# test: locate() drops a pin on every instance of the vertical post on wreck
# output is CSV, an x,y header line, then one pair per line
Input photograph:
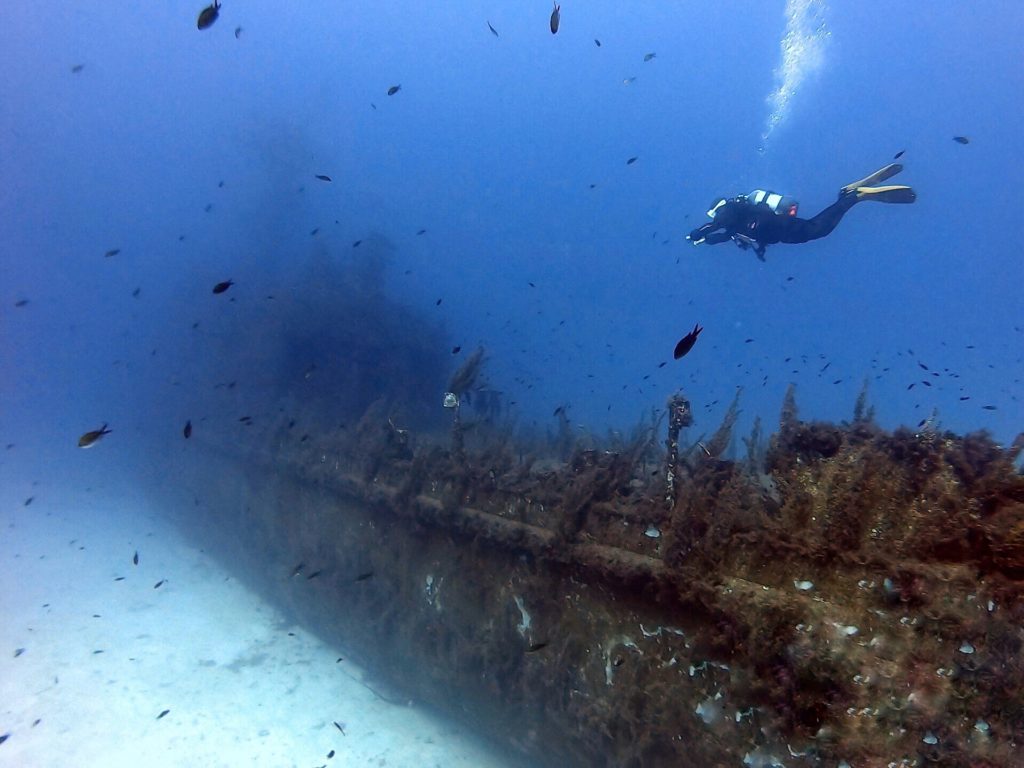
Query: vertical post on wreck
x,y
451,400
679,416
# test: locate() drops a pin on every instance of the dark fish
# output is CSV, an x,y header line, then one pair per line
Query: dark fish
x,y
208,15
314,231
112,252
238,32
21,303
597,42
135,559
493,30
159,583
899,154
209,207
364,576
322,177
77,68
119,578
297,569
245,419
29,500
330,754
18,652
456,350
136,292
650,56
313,575
747,341
6,736
356,243
556,17
223,286
89,439
961,140
988,407
686,343
187,431
536,647
340,727
438,304
163,714
394,89
422,232
631,161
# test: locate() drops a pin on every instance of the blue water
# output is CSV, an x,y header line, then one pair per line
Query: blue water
x,y
491,145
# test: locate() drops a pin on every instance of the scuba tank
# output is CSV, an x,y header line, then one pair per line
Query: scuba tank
x,y
784,205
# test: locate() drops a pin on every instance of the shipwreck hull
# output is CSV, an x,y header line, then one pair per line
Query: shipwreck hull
x,y
858,601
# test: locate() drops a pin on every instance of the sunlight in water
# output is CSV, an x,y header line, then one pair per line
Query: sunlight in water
x,y
803,52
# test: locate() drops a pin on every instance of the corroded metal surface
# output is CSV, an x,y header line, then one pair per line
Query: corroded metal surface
x,y
847,594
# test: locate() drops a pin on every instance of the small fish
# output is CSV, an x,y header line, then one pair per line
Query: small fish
x,y
208,15
422,232
112,252
29,500
629,80
21,303
966,397
77,68
597,42
314,231
238,32
456,350
159,583
187,431
631,160
534,647
438,303
163,714
686,343
136,292
364,576
493,30
330,754
650,56
223,286
245,419
961,140
313,575
394,89
89,439
988,407
119,578
322,177
340,727
556,17
356,243
135,558
4,737
899,154
18,652
297,569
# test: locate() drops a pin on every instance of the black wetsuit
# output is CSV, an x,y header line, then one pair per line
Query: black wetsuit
x,y
756,224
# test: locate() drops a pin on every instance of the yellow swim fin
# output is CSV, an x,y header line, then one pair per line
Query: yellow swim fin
x,y
893,194
882,174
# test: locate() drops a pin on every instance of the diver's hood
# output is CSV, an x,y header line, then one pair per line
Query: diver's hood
x,y
717,203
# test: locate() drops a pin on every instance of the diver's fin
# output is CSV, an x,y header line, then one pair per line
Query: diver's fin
x,y
882,174
893,194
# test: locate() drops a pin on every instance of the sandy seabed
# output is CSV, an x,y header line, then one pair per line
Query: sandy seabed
x,y
88,663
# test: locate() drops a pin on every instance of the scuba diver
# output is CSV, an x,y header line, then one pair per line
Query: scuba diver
x,y
763,218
